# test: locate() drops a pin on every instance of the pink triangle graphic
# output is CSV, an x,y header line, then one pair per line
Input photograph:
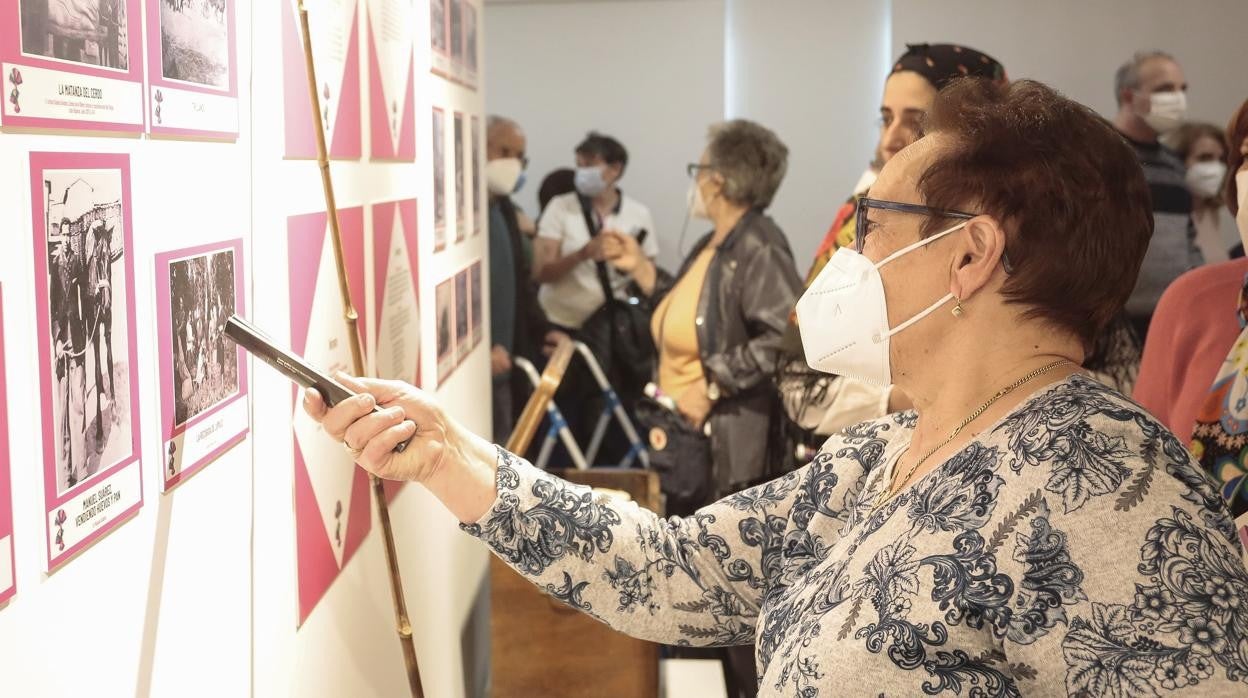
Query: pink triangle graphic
x,y
300,138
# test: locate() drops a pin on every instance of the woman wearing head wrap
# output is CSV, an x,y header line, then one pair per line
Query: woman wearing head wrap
x,y
818,404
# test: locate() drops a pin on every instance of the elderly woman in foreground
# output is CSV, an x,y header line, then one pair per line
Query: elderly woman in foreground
x,y
1027,531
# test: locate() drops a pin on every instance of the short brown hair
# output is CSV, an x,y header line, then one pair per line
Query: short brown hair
x,y
1065,186
1236,132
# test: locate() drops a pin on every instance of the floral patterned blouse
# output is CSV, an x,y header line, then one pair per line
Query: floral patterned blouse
x,y
1074,548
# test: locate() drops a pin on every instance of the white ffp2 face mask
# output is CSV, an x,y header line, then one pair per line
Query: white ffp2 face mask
x,y
502,175
1166,111
1204,179
843,316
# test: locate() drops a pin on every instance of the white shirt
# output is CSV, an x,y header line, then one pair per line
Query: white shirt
x,y
570,301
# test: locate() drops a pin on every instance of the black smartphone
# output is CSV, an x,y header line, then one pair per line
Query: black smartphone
x,y
290,365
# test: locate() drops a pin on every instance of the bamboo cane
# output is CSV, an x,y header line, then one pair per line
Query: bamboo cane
x,y
404,626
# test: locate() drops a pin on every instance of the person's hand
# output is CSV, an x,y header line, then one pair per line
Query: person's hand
x,y
695,404
602,247
551,342
407,413
500,361
629,255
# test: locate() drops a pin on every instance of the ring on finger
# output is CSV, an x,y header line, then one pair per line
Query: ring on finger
x,y
355,452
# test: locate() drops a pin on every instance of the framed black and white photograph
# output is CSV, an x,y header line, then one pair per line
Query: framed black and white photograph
x,y
439,179
203,373
461,202
84,275
94,32
463,341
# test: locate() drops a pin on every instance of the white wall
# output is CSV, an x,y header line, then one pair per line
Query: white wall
x,y
649,72
1076,46
197,596
813,72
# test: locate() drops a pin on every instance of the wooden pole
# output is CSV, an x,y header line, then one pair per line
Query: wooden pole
x,y
403,625
535,408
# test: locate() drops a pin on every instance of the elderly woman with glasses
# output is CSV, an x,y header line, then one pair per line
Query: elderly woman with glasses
x,y
1025,531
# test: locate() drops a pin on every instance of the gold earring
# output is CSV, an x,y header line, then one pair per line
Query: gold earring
x,y
957,308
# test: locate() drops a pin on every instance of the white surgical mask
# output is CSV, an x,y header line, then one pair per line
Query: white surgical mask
x,y
843,316
589,181
1165,111
1204,179
502,175
1241,216
697,205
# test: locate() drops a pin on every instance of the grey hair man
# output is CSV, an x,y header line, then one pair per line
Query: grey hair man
x,y
1151,91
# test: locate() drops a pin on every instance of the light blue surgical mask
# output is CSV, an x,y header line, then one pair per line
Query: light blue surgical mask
x,y
589,181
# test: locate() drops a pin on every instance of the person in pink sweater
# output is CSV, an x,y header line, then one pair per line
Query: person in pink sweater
x,y
1194,373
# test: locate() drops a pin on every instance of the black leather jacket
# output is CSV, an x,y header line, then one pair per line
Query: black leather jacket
x,y
750,289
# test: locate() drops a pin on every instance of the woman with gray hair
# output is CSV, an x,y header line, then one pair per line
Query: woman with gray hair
x,y
718,324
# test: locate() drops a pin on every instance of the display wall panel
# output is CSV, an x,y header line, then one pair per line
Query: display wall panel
x,y
214,561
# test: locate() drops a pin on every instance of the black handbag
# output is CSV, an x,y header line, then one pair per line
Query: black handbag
x,y
680,454
618,333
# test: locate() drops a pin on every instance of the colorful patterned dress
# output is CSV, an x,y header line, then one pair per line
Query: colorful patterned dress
x,y
1220,439
1073,548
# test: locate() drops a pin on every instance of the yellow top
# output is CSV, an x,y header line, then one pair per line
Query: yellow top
x,y
676,335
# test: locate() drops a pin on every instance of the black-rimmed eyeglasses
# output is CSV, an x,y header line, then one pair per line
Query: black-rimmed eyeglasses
x,y
862,227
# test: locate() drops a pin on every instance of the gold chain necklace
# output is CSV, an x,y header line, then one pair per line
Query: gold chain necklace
x,y
888,493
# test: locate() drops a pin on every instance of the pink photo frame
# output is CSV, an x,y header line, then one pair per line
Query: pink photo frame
x,y
203,410
444,328
438,161
92,468
65,70
187,49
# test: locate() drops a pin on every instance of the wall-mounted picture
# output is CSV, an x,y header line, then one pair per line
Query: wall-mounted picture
x,y
463,340
203,374
478,166
439,45
192,68
71,64
8,578
461,203
391,27
456,35
84,294
470,45
474,290
336,56
332,514
396,291
444,306
439,179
